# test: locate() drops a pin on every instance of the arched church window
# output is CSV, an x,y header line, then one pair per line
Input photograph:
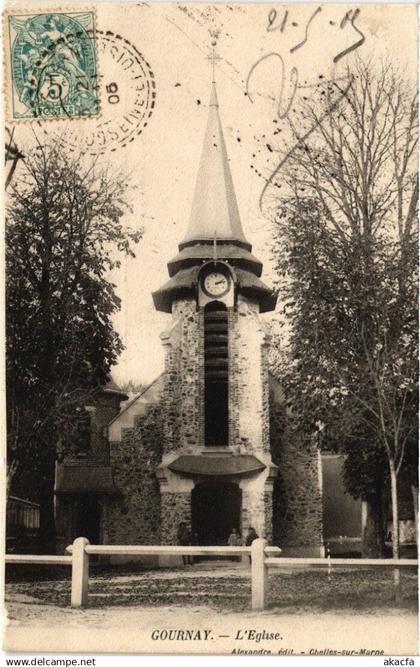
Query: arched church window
x,y
216,369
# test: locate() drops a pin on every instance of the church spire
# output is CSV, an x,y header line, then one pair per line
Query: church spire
x,y
214,210
214,231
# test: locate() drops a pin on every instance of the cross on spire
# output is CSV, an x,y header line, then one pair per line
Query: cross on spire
x,y
214,212
213,57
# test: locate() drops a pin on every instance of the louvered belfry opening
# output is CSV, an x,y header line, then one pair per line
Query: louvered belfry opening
x,y
216,375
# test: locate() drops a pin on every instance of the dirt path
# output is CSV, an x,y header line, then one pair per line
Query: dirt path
x,y
38,627
133,612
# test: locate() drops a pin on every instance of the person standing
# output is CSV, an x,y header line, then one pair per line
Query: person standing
x,y
234,540
195,541
250,536
184,539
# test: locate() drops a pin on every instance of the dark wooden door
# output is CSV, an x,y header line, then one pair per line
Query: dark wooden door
x,y
216,509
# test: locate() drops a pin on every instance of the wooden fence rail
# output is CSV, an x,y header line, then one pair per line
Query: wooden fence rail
x,y
40,560
259,552
158,550
340,562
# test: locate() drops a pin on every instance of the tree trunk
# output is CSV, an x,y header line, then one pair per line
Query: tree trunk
x,y
395,523
47,386
415,494
47,513
11,472
372,527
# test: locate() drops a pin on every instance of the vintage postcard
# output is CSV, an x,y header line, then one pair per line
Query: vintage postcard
x,y
211,251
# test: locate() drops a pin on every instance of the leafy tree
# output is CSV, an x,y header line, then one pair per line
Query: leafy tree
x,y
346,253
64,231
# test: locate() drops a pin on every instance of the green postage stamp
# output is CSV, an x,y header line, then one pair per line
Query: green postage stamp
x,y
52,65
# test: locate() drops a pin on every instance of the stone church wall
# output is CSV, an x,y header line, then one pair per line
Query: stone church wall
x,y
171,421
248,407
297,492
183,344
175,507
107,406
134,517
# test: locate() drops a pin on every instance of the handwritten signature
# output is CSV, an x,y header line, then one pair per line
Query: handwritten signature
x,y
349,18
288,85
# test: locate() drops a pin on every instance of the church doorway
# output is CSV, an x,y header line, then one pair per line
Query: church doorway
x,y
87,519
215,510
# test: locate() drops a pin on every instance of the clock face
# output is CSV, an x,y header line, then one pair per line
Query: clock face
x,y
216,284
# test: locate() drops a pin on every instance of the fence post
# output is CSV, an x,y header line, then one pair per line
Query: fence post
x,y
79,573
259,574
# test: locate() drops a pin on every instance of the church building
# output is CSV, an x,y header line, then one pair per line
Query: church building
x,y
207,442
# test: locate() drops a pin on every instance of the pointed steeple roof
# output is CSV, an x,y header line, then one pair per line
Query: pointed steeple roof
x,y
214,217
214,212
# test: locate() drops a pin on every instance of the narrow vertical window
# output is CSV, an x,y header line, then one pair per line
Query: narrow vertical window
x,y
216,368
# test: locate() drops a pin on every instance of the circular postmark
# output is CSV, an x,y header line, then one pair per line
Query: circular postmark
x,y
127,93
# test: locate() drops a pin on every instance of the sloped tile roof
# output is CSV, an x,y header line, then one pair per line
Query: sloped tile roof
x,y
85,479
